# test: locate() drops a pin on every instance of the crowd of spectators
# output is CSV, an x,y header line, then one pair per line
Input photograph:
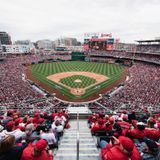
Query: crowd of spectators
x,y
17,93
139,92
13,88
142,89
100,59
124,54
148,48
124,135
31,137
23,132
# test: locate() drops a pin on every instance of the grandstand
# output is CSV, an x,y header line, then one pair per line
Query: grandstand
x,y
75,128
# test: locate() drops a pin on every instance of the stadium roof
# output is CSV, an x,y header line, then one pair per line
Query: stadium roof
x,y
148,41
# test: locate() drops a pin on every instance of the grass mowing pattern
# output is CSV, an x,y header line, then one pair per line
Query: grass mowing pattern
x,y
85,81
41,71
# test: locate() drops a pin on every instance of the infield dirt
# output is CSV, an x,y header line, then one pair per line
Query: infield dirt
x,y
77,91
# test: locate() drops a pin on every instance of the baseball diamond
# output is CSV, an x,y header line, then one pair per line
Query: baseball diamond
x,y
77,80
70,79
74,81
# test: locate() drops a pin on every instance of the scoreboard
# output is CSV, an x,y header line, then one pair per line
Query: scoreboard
x,y
98,41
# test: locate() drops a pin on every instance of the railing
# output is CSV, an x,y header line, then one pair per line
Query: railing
x,y
77,135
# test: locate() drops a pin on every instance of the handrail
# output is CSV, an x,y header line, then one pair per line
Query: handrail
x,y
77,135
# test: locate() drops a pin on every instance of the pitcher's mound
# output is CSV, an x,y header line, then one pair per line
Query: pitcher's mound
x,y
78,81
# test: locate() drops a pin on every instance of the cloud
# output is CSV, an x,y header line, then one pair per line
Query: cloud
x,y
40,19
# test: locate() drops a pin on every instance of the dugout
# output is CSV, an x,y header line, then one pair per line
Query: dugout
x,y
78,56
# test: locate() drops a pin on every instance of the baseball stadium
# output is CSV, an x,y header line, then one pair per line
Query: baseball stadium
x,y
99,102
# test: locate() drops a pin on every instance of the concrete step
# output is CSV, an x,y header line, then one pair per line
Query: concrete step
x,y
73,157
74,149
75,137
75,133
75,140
75,154
81,151
67,149
75,130
74,145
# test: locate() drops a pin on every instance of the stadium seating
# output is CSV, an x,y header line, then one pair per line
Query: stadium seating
x,y
136,102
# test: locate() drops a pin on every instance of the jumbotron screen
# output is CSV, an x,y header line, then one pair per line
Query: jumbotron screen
x,y
98,44
98,41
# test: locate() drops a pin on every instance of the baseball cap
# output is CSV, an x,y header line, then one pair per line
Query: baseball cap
x,y
141,124
125,118
41,145
10,125
127,143
124,112
45,113
111,120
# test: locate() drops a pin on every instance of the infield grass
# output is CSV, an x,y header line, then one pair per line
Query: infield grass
x,y
71,81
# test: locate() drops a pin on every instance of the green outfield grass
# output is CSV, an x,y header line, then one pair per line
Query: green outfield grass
x,y
41,71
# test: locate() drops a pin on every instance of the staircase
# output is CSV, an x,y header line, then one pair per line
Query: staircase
x,y
68,144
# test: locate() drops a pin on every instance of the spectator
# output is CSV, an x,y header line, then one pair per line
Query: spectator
x,y
10,130
149,150
121,149
138,133
29,136
49,136
39,151
8,150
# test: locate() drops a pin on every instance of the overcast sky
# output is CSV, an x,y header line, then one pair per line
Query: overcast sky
x,y
128,20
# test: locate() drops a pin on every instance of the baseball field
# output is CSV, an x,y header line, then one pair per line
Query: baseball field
x,y
75,79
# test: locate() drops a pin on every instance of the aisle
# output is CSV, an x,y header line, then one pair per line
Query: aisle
x,y
68,147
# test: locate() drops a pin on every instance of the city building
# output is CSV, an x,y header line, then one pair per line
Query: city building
x,y
45,44
15,49
25,44
5,38
63,42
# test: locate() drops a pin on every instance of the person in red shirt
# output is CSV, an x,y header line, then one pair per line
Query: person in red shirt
x,y
54,114
125,125
153,133
37,151
36,118
122,148
106,118
98,126
109,124
138,133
